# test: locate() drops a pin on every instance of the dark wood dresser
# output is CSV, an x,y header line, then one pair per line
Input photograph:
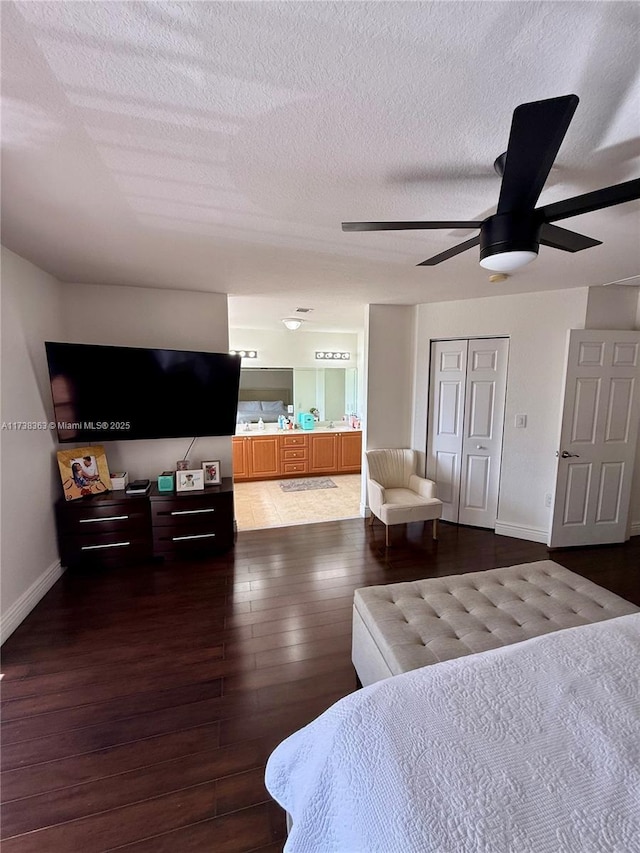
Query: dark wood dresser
x,y
115,529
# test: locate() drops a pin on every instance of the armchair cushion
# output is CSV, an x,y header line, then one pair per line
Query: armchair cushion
x,y
403,505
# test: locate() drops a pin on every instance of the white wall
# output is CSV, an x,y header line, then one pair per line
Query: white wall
x,y
537,325
30,477
292,349
150,317
612,307
390,335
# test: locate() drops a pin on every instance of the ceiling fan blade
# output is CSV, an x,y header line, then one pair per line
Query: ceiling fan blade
x,y
537,131
451,253
596,200
405,226
568,241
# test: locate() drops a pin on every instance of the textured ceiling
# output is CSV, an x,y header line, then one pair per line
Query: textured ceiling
x,y
218,146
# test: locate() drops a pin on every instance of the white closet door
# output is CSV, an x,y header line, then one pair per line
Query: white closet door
x,y
446,419
598,438
486,383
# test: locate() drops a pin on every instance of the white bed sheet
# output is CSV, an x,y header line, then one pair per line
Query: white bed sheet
x,y
530,748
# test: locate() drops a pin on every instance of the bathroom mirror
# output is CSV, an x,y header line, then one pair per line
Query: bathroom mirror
x,y
333,391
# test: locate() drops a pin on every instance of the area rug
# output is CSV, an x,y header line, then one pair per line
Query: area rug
x,y
307,484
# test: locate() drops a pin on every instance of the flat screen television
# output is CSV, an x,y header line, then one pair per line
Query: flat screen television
x,y
105,393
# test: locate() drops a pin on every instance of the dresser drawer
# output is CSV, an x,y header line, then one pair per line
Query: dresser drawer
x,y
129,515
294,440
105,548
170,542
194,513
293,454
301,467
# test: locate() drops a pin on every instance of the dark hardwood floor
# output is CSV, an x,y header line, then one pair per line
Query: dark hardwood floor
x,y
140,705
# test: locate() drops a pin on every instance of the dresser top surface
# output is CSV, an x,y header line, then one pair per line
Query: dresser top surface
x,y
225,486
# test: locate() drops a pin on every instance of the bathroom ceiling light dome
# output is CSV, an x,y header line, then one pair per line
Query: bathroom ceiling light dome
x,y
292,323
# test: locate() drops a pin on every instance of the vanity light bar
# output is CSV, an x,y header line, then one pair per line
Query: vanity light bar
x,y
244,353
324,355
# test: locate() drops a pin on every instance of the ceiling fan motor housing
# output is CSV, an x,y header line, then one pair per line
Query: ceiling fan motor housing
x,y
510,232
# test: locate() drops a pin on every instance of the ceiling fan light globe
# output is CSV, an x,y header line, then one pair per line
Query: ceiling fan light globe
x,y
507,261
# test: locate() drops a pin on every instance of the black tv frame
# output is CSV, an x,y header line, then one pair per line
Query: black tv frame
x,y
113,393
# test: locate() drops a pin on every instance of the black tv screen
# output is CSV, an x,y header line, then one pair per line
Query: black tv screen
x,y
104,393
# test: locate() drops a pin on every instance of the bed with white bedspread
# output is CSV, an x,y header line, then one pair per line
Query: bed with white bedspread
x,y
530,748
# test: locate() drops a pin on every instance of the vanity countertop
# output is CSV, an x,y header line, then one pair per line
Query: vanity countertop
x,y
272,429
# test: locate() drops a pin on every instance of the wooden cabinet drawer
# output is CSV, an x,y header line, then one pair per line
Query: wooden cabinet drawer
x,y
301,467
294,440
288,455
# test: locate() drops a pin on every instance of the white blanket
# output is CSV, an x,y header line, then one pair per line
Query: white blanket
x,y
531,748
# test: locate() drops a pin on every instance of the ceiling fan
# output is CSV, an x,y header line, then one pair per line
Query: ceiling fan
x,y
510,238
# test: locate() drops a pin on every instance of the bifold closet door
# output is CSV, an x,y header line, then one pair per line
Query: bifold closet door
x,y
466,418
446,421
486,383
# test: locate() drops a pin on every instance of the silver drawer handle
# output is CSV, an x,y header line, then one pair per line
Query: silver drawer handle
x,y
191,511
195,536
98,547
106,518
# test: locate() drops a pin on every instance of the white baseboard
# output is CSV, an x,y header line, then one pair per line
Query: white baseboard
x,y
21,608
635,528
519,531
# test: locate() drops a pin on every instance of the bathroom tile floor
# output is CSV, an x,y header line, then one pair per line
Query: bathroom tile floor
x,y
265,504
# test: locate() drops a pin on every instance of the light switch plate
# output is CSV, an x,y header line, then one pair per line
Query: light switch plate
x,y
521,421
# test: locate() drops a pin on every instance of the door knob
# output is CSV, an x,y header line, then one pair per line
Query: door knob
x,y
480,447
566,455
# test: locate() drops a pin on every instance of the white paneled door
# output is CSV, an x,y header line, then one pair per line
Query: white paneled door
x,y
466,417
446,421
597,439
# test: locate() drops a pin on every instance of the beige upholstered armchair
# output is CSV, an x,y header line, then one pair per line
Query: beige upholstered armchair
x,y
396,493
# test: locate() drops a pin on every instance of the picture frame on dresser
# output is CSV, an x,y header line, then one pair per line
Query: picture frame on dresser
x,y
84,472
191,480
212,476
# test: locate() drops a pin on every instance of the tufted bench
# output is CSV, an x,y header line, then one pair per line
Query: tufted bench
x,y
404,626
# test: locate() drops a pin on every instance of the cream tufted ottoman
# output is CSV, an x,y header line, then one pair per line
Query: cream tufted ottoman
x,y
404,626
